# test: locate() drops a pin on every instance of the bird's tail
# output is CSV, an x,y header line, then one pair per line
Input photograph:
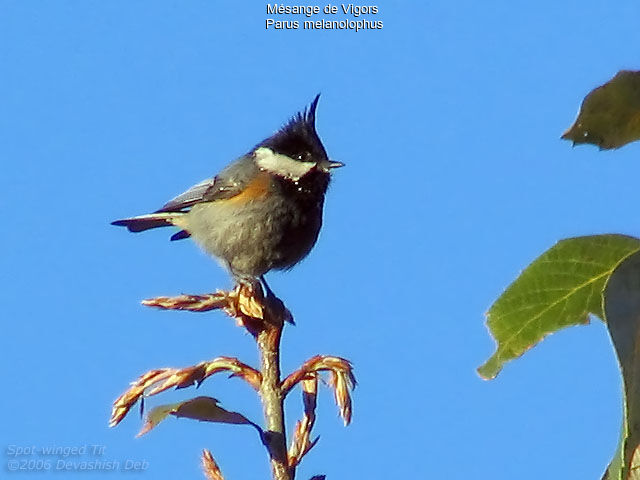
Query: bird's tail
x,y
152,220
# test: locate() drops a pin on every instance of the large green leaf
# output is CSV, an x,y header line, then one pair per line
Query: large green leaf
x,y
610,115
559,289
622,311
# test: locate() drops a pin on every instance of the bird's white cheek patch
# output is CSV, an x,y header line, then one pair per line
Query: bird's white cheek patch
x,y
281,164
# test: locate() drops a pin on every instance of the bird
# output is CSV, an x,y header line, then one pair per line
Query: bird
x,y
263,211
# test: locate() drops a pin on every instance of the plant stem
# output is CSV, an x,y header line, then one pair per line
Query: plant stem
x,y
268,340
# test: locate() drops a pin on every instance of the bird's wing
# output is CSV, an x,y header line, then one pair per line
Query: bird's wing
x,y
189,198
229,183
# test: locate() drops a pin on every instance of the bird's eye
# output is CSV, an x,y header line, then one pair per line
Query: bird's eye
x,y
299,157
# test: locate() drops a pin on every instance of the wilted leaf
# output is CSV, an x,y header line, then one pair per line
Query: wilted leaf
x,y
559,289
341,379
210,467
341,386
247,305
301,442
191,303
159,380
204,409
622,310
610,115
320,363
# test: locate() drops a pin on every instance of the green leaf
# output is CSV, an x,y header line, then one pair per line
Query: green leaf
x,y
610,114
622,311
205,409
156,415
559,289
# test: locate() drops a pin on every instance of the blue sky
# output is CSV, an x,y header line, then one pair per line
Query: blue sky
x,y
449,121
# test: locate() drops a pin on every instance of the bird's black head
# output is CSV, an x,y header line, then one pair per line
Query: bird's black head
x,y
296,148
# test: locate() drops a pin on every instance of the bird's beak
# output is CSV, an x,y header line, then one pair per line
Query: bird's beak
x,y
327,165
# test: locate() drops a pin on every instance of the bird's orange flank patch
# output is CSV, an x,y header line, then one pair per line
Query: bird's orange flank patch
x,y
256,189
